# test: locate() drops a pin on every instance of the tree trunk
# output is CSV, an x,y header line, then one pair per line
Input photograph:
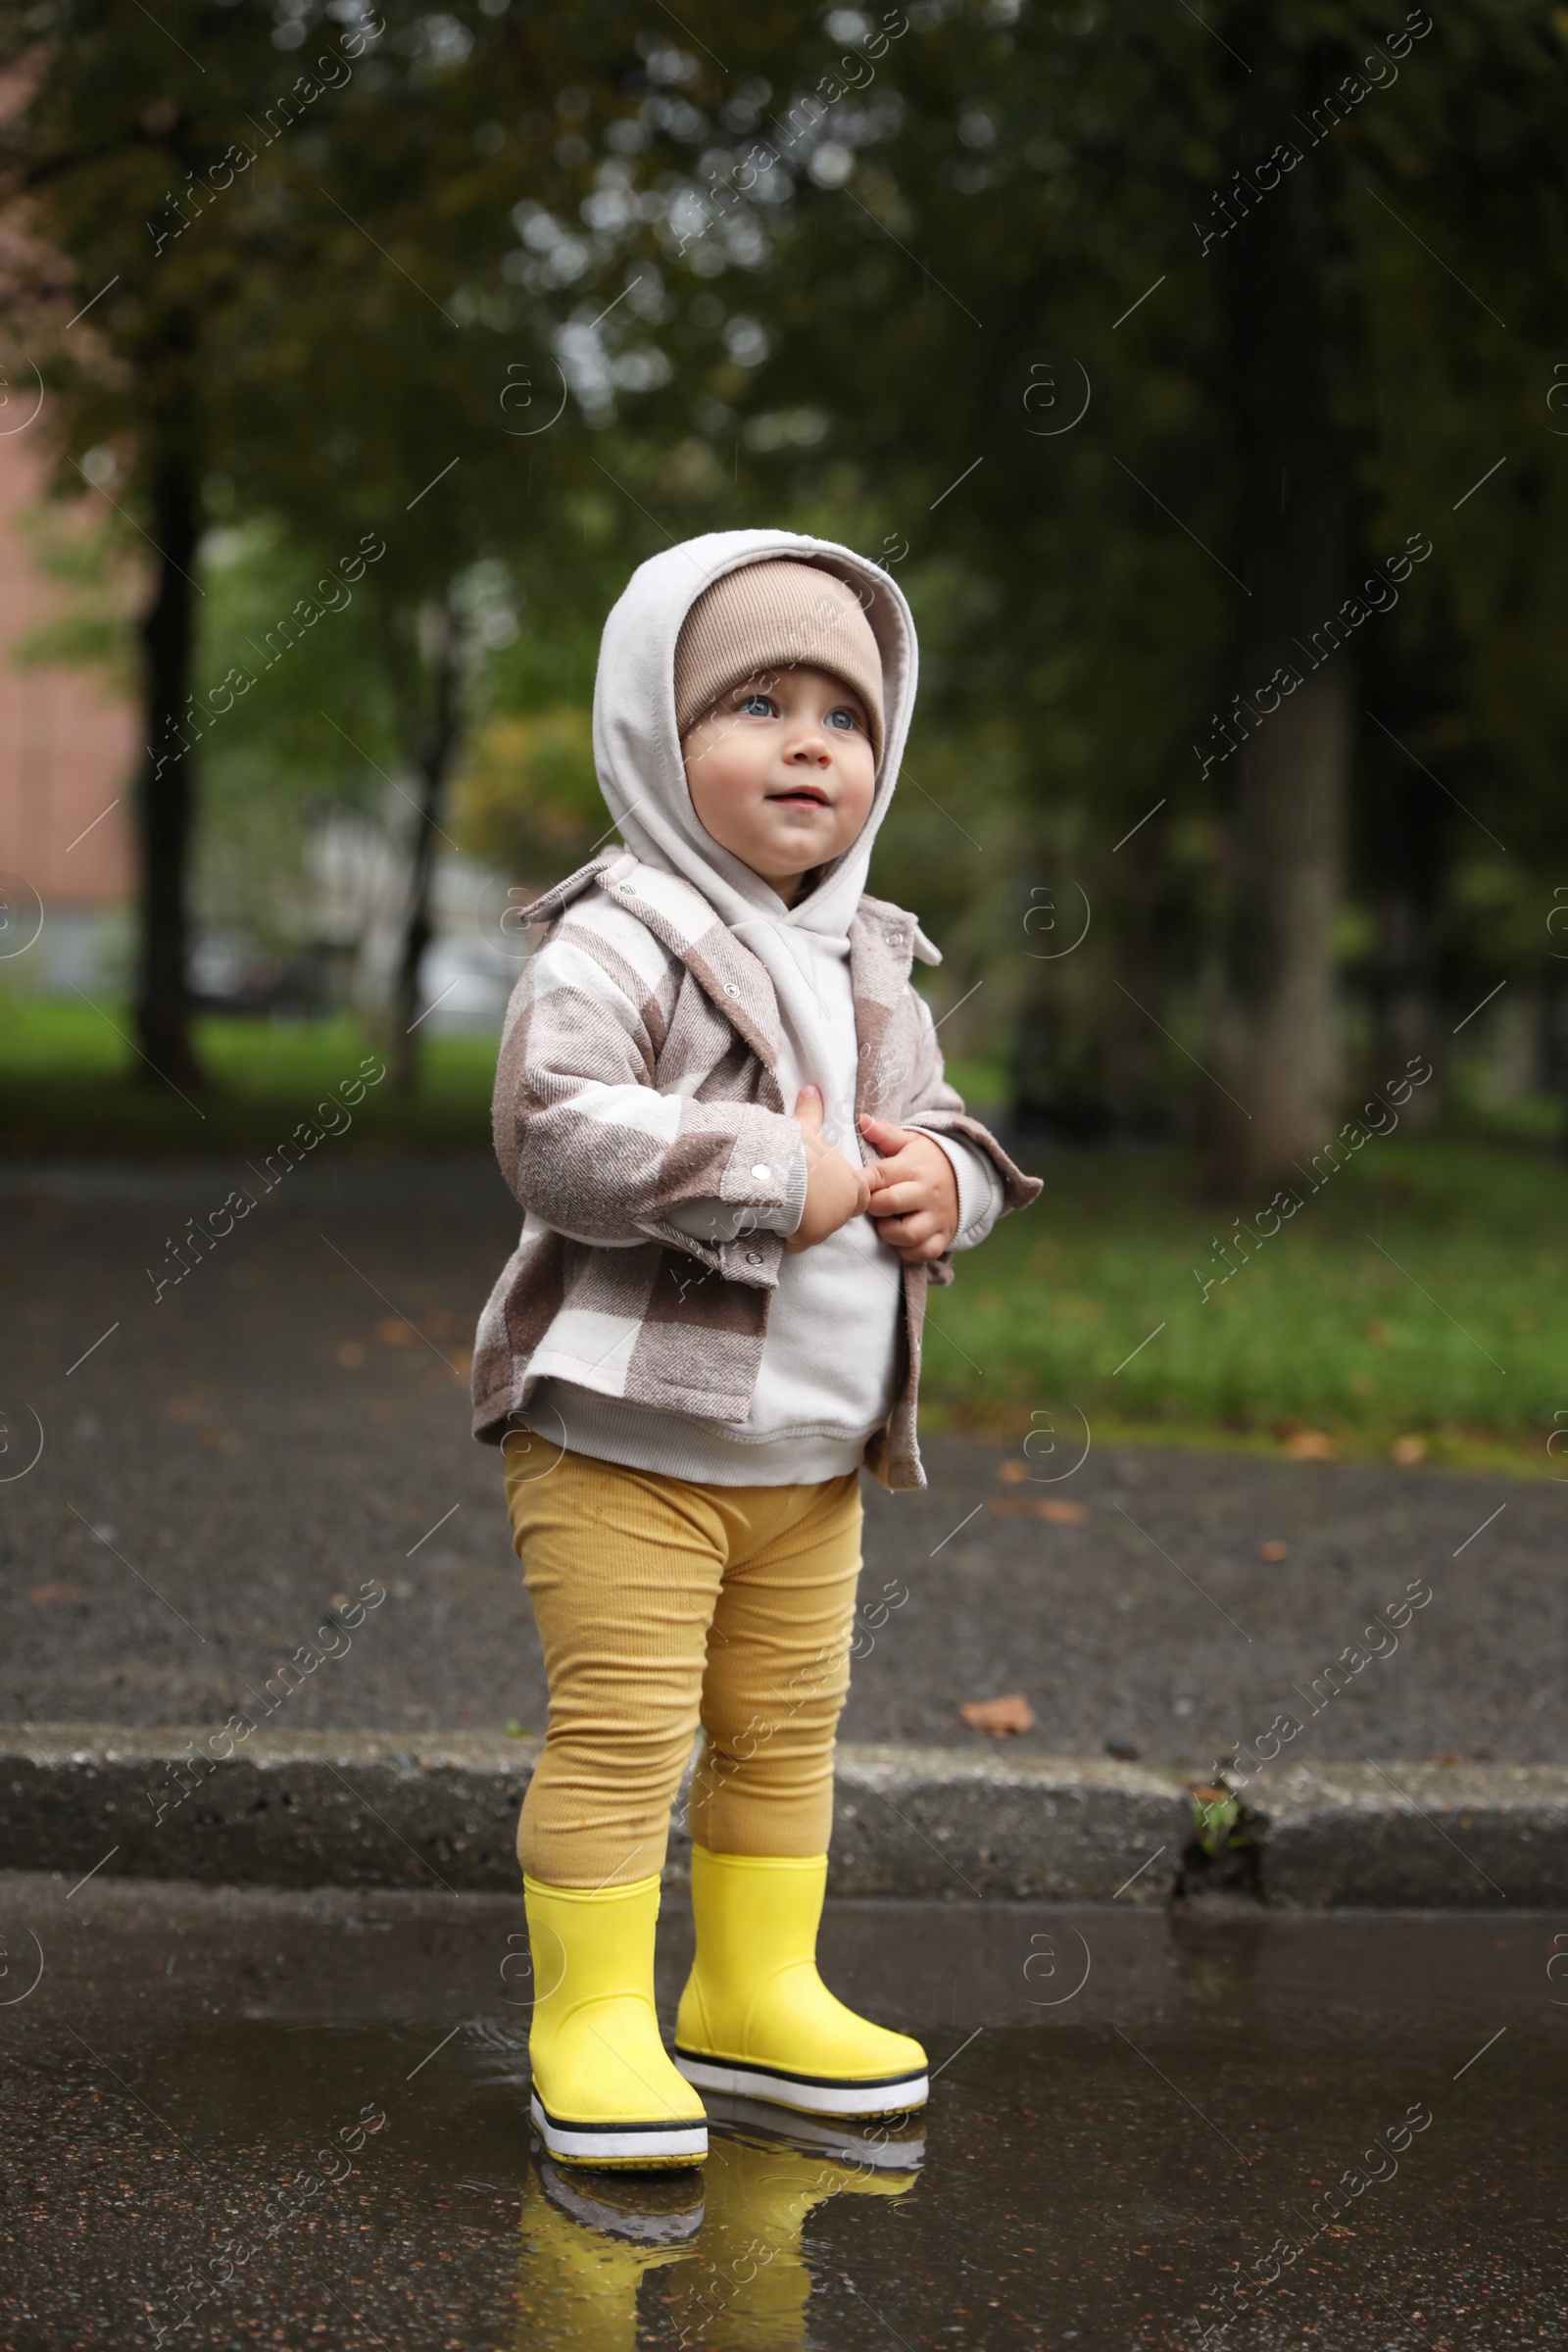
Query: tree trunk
x,y
1555,1041
167,793
1407,829
436,755
1278,1038
1276,1044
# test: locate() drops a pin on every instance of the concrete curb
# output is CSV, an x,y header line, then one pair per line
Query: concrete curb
x,y
382,1809
1437,1836
946,1822
387,1809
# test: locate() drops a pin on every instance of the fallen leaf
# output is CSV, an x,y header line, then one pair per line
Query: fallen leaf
x,y
393,1332
1000,1717
1012,1474
1408,1449
1309,1445
45,1597
1273,1549
1377,1331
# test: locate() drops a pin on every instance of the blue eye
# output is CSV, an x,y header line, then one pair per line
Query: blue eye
x,y
841,719
757,705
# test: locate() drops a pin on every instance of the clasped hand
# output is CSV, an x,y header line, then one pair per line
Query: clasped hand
x,y
909,1189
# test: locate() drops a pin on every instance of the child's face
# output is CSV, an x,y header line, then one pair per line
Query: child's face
x,y
781,772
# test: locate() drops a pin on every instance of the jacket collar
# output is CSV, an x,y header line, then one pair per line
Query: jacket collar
x,y
884,940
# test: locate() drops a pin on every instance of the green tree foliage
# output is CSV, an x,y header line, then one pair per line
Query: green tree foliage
x,y
434,402
1137,343
527,802
288,234
1271,245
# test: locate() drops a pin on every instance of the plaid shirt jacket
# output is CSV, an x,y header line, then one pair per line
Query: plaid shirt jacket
x,y
637,1075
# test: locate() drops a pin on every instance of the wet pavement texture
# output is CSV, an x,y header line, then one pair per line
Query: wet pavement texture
x,y
241,2117
227,1460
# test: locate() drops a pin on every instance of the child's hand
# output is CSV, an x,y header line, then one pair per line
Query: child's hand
x,y
913,1192
835,1191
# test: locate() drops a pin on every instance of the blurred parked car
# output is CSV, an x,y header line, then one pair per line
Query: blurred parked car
x,y
231,973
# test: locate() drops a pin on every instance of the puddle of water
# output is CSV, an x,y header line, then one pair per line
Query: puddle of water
x,y
237,2118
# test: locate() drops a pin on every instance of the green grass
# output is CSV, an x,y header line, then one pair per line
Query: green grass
x,y
70,1084
1318,1330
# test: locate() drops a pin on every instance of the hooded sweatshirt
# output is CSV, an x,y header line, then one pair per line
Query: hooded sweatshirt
x,y
829,1358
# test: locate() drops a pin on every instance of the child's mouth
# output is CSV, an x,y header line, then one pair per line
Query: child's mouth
x,y
802,796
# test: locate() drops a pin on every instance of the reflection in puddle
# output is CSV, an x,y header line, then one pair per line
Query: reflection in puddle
x,y
728,2240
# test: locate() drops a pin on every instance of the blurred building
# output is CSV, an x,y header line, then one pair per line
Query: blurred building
x,y
68,756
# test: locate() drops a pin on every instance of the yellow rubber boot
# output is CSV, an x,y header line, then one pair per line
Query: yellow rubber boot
x,y
756,2020
747,2286
604,2089
587,2245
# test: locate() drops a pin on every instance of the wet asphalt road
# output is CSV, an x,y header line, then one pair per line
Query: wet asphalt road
x,y
1126,2108
292,1420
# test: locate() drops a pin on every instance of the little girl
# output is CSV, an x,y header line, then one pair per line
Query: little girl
x,y
721,1104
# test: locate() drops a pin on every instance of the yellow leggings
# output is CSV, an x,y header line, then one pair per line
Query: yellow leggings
x,y
662,1603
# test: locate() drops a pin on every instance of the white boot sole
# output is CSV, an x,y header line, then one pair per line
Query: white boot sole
x,y
651,2145
808,2095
